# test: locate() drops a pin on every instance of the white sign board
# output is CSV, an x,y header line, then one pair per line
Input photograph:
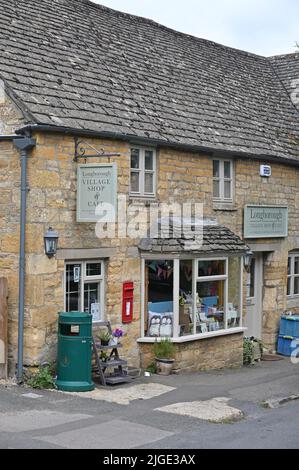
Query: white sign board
x,y
96,187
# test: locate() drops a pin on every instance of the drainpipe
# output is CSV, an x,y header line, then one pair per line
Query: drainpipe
x,y
23,145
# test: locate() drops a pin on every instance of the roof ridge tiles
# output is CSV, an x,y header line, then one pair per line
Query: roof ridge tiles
x,y
145,20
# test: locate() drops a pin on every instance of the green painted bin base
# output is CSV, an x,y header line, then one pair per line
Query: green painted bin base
x,y
65,386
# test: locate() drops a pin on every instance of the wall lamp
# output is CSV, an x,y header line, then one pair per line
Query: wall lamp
x,y
247,260
51,242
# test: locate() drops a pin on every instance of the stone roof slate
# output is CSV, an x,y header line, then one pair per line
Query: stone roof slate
x,y
215,239
287,68
73,63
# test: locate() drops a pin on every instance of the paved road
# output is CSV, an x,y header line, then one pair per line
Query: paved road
x,y
58,420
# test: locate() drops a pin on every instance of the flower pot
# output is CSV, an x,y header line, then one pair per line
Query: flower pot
x,y
164,366
113,342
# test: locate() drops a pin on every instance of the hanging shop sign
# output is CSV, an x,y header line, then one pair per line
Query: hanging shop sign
x,y
96,189
265,221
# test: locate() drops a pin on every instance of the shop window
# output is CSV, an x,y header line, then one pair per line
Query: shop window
x,y
223,180
192,297
159,298
186,313
234,292
210,305
143,172
84,285
293,275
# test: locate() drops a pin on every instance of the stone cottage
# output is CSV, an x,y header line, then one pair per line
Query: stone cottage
x,y
100,107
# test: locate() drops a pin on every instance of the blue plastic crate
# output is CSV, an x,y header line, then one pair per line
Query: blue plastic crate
x,y
285,346
289,326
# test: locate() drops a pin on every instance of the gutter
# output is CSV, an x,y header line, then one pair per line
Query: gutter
x,y
23,145
27,130
9,138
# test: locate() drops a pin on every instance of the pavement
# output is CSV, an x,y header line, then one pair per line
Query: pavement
x,y
242,408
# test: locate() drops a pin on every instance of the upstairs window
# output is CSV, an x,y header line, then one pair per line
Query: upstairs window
x,y
223,180
143,172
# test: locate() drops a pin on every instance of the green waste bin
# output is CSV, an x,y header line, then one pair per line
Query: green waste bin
x,y
74,354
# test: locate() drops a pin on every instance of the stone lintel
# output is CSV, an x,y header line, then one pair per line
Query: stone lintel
x,y
85,253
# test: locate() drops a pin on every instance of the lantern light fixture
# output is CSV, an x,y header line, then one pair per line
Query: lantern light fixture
x,y
51,242
247,260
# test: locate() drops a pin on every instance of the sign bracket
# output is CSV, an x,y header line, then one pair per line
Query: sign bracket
x,y
80,151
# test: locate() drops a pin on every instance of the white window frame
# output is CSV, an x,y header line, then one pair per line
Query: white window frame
x,y
292,275
176,283
142,172
222,180
84,279
221,277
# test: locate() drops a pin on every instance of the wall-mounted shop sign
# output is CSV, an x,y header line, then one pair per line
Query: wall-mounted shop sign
x,y
96,186
265,221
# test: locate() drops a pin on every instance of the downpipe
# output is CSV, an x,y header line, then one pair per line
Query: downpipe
x,y
24,146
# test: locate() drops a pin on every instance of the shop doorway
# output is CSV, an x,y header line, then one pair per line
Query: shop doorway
x,y
254,301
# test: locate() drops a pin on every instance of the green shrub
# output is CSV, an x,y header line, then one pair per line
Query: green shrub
x,y
164,349
43,378
152,368
247,351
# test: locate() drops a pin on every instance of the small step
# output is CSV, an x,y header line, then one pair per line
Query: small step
x,y
113,363
133,372
118,379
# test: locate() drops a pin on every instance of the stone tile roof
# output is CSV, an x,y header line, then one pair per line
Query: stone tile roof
x,y
73,63
287,69
215,239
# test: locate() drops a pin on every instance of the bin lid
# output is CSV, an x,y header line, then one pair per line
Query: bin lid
x,y
75,317
291,317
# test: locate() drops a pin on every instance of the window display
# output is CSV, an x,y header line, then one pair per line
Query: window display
x,y
186,317
159,298
208,296
234,302
210,306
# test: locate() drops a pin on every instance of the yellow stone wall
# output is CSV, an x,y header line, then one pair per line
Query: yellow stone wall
x,y
213,353
182,177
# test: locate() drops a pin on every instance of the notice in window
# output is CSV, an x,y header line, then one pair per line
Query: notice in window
x,y
95,312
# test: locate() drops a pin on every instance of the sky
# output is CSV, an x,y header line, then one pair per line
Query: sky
x,y
265,27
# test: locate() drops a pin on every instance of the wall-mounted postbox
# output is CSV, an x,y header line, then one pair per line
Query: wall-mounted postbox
x,y
128,301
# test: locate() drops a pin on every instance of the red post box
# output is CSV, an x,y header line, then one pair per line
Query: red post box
x,y
128,300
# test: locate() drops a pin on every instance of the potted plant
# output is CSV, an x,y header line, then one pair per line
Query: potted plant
x,y
164,351
116,335
253,350
258,349
104,336
104,357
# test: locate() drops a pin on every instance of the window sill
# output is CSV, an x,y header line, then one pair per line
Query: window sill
x,y
185,339
293,302
224,206
143,199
